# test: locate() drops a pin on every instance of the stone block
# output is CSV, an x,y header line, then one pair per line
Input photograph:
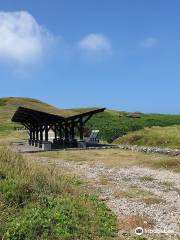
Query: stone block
x,y
81,144
46,146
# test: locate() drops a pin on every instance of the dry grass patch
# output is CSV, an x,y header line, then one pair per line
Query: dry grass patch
x,y
177,190
14,136
126,179
168,185
132,192
135,192
104,180
120,194
138,194
153,200
117,158
133,221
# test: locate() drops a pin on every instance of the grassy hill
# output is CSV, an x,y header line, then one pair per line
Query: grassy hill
x,y
155,136
9,105
112,124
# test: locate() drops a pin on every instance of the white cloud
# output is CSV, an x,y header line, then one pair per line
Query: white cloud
x,y
149,42
95,43
21,38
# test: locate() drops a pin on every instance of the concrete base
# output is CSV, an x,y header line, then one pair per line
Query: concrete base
x,y
40,144
36,144
94,140
46,146
74,143
81,144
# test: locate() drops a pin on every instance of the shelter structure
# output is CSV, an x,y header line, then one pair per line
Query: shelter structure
x,y
65,129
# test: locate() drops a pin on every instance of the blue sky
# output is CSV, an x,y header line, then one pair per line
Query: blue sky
x,y
119,54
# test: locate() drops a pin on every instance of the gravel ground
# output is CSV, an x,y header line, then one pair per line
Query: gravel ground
x,y
151,197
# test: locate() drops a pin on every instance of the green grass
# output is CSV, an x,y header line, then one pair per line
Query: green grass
x,y
40,203
155,136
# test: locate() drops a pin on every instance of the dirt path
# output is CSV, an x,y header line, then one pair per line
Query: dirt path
x,y
138,196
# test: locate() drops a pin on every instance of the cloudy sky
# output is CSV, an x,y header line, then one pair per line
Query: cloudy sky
x,y
120,54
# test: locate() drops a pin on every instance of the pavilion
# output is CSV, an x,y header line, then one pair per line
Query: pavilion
x,y
65,128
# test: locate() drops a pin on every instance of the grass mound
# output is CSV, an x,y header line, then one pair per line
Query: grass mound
x,y
39,203
155,136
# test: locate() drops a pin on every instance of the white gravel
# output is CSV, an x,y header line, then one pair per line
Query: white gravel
x,y
163,184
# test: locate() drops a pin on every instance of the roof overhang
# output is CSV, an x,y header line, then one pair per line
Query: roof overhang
x,y
35,117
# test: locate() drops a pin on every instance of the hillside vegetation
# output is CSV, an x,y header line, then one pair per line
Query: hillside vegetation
x,y
37,202
154,136
112,124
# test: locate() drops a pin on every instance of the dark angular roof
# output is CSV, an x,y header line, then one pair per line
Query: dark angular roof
x,y
27,115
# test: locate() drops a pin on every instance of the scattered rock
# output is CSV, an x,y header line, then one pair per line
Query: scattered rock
x,y
135,148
